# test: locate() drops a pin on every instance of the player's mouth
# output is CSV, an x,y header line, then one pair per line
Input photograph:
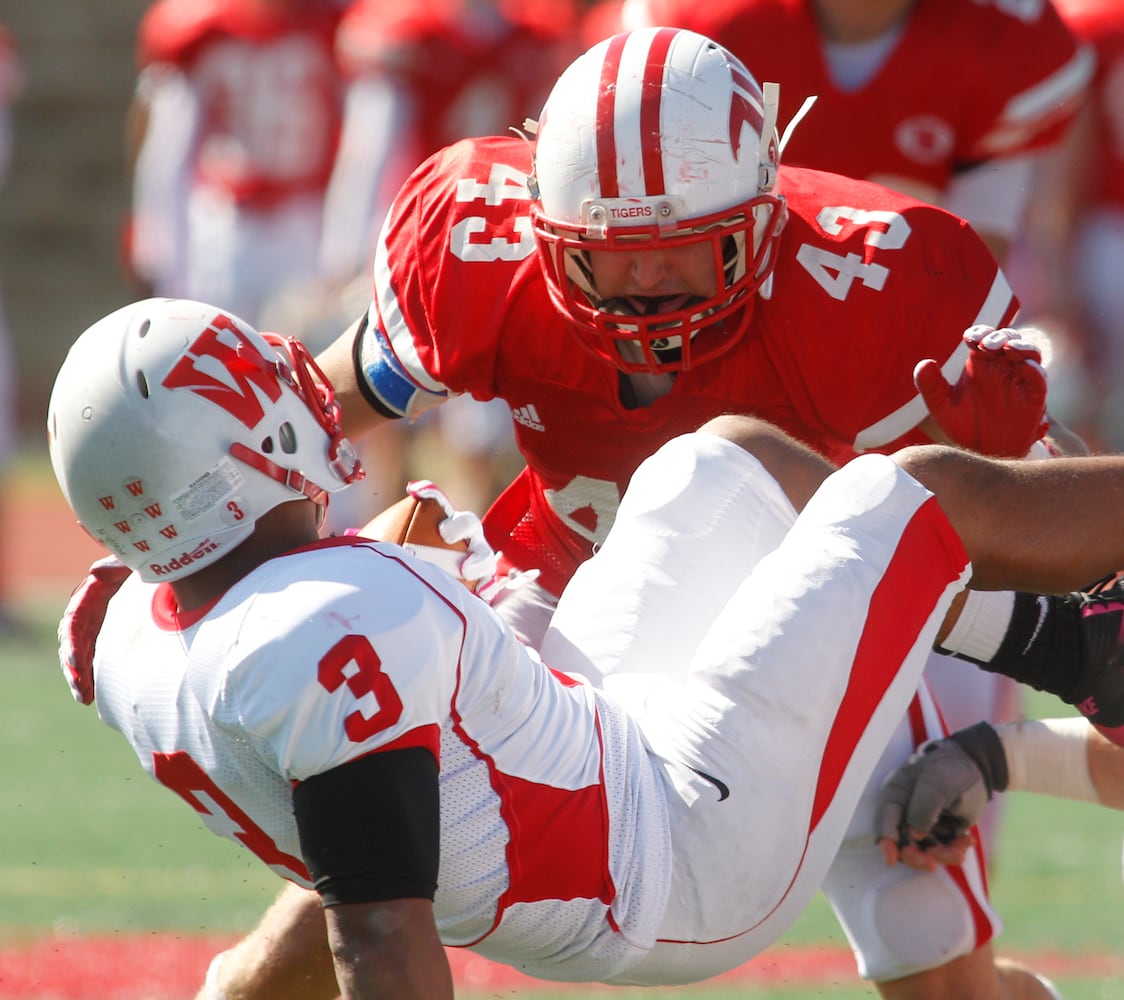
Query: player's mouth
x,y
648,305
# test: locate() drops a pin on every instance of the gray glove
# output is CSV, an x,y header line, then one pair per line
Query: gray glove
x,y
943,788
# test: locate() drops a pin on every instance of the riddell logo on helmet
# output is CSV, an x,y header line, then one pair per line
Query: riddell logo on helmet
x,y
184,558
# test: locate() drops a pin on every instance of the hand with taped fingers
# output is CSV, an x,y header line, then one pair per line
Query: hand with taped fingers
x,y
81,622
928,806
479,564
998,404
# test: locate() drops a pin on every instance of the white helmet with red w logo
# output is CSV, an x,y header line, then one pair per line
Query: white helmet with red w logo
x,y
173,426
657,138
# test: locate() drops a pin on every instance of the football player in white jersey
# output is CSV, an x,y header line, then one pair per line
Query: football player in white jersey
x,y
369,728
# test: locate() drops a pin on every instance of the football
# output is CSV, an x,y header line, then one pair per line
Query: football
x,y
412,523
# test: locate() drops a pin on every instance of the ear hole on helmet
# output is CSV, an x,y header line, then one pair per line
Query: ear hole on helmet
x,y
288,438
144,328
267,446
142,385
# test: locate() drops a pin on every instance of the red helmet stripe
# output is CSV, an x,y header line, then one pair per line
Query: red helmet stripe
x,y
606,109
651,95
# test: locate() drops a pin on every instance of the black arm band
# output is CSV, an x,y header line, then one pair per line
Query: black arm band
x,y
370,829
365,390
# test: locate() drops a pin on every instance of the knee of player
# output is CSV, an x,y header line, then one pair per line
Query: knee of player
x,y
885,930
932,465
797,468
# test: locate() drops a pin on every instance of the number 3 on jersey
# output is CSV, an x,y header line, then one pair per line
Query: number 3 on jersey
x,y
353,661
504,184
835,273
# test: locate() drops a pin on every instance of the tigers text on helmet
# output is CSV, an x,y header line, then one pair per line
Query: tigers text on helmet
x,y
173,426
657,139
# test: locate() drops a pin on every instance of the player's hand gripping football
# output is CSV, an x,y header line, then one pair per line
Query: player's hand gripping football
x,y
998,405
81,622
479,563
927,807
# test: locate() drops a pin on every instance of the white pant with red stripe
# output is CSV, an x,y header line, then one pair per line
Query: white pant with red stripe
x,y
770,662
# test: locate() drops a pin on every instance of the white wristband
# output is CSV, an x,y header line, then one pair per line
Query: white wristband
x,y
211,989
1048,756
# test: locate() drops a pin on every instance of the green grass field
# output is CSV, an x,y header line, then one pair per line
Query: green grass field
x,y
91,846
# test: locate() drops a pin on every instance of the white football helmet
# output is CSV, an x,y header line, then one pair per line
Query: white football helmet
x,y
657,138
173,426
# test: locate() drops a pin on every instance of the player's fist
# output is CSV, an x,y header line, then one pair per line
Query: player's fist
x,y
426,523
934,799
998,405
479,565
81,622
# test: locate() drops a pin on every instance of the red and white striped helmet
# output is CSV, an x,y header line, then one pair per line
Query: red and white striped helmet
x,y
173,426
657,136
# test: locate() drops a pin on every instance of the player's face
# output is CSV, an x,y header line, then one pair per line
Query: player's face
x,y
671,276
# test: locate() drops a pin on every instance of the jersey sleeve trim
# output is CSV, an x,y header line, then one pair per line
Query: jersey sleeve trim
x,y
998,311
1036,110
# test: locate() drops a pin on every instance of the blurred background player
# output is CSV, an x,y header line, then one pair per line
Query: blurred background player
x,y
233,137
11,80
952,101
421,76
1071,258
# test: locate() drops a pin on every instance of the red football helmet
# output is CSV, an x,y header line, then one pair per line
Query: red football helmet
x,y
657,138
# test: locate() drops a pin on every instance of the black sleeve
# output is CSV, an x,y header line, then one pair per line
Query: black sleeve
x,y
370,828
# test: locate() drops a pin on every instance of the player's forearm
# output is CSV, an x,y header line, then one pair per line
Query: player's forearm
x,y
1106,768
1065,758
285,957
337,362
389,951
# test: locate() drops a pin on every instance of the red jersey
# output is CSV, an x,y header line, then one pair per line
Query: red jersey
x,y
966,82
267,84
1101,24
868,282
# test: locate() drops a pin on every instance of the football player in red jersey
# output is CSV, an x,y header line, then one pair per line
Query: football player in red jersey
x,y
644,264
233,135
952,101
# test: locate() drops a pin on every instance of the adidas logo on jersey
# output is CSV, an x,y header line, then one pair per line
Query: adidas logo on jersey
x,y
528,416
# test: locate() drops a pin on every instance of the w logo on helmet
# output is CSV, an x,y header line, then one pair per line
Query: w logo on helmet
x,y
243,364
746,108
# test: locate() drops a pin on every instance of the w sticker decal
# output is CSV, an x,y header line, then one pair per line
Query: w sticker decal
x,y
224,367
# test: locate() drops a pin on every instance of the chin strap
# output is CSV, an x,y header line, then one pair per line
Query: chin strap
x,y
294,480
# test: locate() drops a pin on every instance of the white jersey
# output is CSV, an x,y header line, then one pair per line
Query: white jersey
x,y
663,824
313,660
